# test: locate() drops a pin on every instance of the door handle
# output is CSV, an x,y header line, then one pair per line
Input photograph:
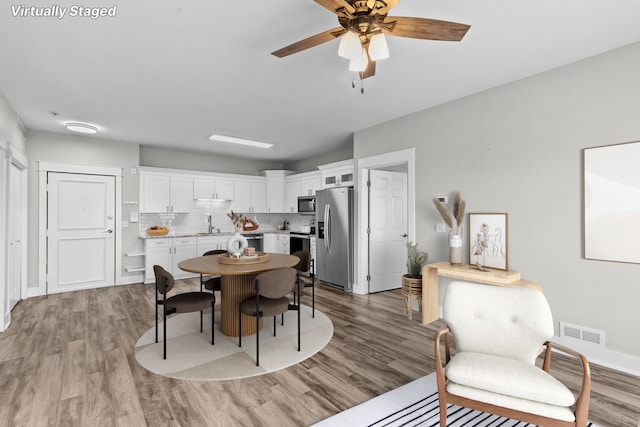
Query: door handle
x,y
109,231
405,235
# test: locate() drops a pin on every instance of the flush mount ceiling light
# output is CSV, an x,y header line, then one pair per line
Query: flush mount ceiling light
x,y
81,128
363,27
241,141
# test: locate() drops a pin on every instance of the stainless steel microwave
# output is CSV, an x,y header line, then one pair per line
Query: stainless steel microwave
x,y
307,204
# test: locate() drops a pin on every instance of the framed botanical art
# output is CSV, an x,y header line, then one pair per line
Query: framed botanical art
x,y
488,240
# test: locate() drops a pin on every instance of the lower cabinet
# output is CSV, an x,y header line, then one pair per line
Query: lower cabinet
x,y
282,244
276,243
168,252
269,242
209,243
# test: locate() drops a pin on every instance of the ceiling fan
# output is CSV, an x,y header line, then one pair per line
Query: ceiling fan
x,y
363,25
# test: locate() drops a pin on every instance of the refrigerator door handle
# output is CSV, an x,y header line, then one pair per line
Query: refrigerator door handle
x,y
330,226
327,230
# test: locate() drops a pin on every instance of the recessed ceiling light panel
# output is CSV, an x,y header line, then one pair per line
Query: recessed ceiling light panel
x,y
241,141
81,128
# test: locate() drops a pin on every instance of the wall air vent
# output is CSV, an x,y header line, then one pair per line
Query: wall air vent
x,y
582,333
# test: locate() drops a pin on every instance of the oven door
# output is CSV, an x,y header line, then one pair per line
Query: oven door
x,y
299,243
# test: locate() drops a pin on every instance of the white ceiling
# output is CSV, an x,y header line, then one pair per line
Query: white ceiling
x,y
171,73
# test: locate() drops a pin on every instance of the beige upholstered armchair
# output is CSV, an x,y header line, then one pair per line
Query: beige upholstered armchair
x,y
499,332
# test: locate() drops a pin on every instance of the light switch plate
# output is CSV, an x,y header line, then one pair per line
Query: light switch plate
x,y
440,227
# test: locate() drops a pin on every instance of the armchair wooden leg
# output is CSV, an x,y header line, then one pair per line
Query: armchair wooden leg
x,y
213,317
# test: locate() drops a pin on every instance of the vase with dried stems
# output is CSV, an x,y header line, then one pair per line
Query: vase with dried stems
x,y
454,221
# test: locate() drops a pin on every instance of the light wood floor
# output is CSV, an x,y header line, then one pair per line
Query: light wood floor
x,y
67,360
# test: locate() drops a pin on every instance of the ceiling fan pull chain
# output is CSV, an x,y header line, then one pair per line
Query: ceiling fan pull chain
x,y
353,81
362,86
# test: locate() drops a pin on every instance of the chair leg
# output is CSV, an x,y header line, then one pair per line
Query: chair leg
x,y
298,325
313,300
201,317
258,340
239,327
156,322
213,321
274,325
164,333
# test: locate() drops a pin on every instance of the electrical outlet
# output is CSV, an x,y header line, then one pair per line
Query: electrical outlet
x,y
442,199
440,227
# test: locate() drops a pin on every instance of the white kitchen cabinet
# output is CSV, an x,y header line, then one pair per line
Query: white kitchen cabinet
x,y
291,194
304,184
276,190
250,197
165,194
208,188
269,243
282,244
338,174
210,243
312,247
168,252
183,248
311,183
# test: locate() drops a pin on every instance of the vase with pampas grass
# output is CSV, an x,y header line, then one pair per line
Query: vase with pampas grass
x,y
454,221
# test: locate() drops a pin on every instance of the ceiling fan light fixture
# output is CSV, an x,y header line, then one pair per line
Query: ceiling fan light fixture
x,y
378,48
350,46
81,128
360,62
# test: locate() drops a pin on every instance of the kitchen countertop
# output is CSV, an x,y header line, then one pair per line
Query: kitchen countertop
x,y
222,233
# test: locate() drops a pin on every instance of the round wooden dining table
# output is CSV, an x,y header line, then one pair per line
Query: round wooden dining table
x,y
237,283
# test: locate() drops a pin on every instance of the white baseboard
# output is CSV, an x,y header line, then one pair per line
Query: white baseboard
x,y
131,280
602,356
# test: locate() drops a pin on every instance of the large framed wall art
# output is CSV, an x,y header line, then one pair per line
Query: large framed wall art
x,y
612,202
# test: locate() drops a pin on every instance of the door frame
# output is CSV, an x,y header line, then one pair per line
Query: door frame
x,y
43,169
21,162
363,165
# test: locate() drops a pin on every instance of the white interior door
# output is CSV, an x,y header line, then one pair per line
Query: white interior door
x,y
80,231
15,218
388,229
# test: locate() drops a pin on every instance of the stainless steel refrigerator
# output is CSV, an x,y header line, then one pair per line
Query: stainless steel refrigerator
x,y
334,237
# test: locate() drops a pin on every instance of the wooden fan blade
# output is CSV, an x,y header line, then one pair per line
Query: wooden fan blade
x,y
309,42
334,5
389,4
370,71
423,28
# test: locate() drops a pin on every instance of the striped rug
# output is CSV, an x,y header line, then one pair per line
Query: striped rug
x,y
415,404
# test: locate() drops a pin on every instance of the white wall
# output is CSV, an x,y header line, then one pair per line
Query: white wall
x,y
82,150
518,149
176,159
10,125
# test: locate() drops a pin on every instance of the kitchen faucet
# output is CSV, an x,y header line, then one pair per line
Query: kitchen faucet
x,y
211,228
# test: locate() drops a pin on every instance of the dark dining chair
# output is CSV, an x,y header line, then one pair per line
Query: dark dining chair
x,y
212,283
306,265
181,303
272,288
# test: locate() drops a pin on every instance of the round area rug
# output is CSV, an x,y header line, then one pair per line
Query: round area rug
x,y
190,355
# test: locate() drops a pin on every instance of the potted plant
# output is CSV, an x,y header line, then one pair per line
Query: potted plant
x,y
454,221
412,281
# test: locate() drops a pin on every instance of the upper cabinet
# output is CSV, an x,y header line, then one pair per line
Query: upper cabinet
x,y
338,174
250,196
276,189
302,184
211,188
165,194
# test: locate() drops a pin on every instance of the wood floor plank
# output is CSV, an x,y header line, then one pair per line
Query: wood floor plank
x,y
68,360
